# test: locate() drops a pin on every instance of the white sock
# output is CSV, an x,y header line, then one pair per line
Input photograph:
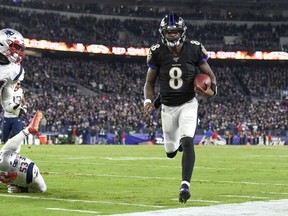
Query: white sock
x,y
25,131
185,182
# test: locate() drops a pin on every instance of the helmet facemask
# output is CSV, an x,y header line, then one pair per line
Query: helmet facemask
x,y
12,45
173,24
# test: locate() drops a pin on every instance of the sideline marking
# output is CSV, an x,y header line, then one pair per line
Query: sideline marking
x,y
258,208
72,210
83,201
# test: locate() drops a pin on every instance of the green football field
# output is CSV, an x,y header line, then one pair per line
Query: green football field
x,y
114,179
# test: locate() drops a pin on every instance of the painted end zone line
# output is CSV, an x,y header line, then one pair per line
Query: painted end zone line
x,y
259,208
80,201
73,210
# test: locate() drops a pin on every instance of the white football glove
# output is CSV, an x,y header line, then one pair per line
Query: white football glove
x,y
13,189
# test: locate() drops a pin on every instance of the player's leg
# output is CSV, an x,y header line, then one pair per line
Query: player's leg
x,y
38,184
6,129
14,143
17,126
188,124
170,130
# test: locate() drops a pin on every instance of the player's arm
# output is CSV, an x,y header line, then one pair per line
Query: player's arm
x,y
7,177
149,90
23,101
211,90
8,103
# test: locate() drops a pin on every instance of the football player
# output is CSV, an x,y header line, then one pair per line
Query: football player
x,y
11,54
12,124
174,62
20,173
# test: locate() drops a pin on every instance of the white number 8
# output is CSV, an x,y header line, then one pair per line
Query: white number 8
x,y
175,82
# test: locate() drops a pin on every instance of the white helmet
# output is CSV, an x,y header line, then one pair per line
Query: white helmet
x,y
8,160
12,45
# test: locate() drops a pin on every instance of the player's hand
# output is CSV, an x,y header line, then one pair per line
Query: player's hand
x,y
13,189
22,114
208,92
148,106
157,103
7,177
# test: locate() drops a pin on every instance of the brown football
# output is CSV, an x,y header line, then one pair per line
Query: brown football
x,y
203,81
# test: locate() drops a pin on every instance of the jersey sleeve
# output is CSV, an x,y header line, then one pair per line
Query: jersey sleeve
x,y
202,54
152,57
199,51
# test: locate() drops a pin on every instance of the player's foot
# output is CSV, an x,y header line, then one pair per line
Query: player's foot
x,y
184,194
34,124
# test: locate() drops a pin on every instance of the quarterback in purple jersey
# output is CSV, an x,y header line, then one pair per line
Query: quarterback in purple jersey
x,y
175,62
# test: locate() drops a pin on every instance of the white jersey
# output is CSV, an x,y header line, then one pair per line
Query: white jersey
x,y
17,99
9,75
25,172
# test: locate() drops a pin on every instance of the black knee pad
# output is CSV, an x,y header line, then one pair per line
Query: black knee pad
x,y
186,142
171,155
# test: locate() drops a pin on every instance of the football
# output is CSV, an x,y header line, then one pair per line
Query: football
x,y
203,81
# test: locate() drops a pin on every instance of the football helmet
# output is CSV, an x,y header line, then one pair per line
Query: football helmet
x,y
9,160
172,23
12,45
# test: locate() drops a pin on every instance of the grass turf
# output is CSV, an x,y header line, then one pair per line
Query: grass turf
x,y
111,179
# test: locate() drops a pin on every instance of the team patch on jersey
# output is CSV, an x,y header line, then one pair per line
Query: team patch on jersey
x,y
203,49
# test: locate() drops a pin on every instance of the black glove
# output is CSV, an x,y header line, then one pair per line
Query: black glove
x,y
22,114
16,106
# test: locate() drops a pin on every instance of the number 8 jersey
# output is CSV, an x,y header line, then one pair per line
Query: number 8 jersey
x,y
176,72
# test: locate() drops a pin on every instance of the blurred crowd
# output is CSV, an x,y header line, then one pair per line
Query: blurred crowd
x,y
249,93
132,31
107,95
195,10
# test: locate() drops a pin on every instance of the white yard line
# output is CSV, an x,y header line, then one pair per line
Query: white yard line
x,y
241,196
202,201
275,193
259,208
168,166
80,201
72,210
156,177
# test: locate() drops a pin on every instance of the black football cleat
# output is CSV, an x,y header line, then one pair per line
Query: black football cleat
x,y
184,194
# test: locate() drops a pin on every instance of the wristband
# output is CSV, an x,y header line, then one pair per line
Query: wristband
x,y
146,101
214,89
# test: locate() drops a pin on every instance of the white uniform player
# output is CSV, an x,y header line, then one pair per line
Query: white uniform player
x,y
20,173
13,124
11,54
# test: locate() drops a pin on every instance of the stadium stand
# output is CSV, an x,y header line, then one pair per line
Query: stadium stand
x,y
106,92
